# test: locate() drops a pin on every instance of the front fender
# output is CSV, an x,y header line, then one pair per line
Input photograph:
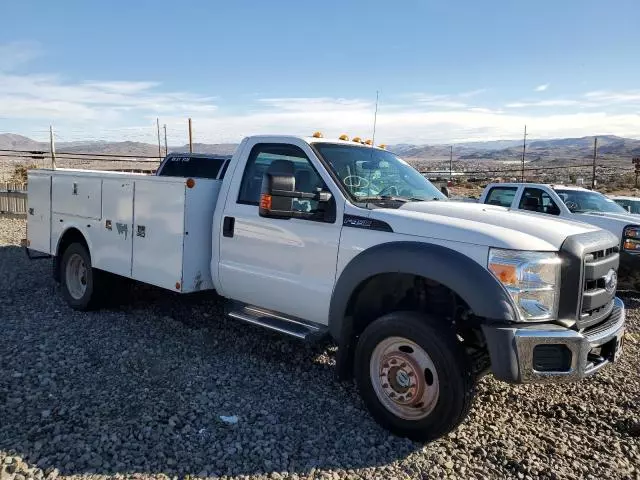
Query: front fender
x,y
474,284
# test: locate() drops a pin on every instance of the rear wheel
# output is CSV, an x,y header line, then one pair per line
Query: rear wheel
x,y
414,375
79,279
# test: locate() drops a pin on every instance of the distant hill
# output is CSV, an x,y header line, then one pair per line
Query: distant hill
x,y
499,150
562,148
10,141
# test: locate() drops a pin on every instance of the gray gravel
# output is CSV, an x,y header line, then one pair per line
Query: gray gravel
x,y
138,389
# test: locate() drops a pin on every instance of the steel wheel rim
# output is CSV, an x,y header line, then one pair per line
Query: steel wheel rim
x,y
76,276
404,378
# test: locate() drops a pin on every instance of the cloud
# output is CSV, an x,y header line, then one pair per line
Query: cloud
x,y
472,93
442,101
317,104
542,88
411,123
51,97
118,109
16,54
605,97
545,103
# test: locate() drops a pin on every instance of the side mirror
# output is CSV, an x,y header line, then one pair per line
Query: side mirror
x,y
278,198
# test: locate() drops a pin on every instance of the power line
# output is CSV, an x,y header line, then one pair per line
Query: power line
x,y
80,153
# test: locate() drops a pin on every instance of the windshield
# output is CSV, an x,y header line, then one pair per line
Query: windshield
x,y
372,175
582,201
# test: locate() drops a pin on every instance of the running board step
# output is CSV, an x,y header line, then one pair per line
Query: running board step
x,y
277,321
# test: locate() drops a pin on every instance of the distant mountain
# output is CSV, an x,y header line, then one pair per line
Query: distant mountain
x,y
563,148
218,148
10,141
499,150
459,149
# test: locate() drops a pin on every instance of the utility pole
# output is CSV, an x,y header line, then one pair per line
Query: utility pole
x,y
595,154
166,148
524,149
52,146
190,138
451,163
159,148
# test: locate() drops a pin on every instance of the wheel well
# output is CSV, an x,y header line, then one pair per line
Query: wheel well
x,y
392,292
72,235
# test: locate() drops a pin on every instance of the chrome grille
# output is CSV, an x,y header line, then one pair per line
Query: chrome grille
x,y
596,302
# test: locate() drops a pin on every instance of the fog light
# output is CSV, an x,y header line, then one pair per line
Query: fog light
x,y
551,358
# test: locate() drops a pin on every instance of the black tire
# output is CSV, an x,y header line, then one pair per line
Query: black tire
x,y
453,368
89,299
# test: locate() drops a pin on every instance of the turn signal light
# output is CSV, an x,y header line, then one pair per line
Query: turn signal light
x,y
382,146
368,142
344,136
506,273
631,245
317,134
356,139
265,201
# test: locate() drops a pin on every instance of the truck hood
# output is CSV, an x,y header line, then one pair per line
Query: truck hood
x,y
614,222
480,224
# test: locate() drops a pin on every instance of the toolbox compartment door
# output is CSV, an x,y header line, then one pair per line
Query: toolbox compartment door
x,y
158,232
39,213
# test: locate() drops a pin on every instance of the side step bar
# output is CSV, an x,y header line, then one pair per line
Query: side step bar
x,y
276,321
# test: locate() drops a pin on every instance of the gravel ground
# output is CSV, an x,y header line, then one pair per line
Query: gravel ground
x,y
137,390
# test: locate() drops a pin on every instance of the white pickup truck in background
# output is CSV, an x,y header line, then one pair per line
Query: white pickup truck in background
x,y
309,236
580,205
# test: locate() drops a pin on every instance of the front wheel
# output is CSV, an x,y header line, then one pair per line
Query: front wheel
x,y
413,375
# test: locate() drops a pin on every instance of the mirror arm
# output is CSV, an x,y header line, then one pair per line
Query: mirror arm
x,y
320,196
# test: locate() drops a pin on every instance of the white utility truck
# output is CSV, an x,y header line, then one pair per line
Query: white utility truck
x,y
580,205
309,236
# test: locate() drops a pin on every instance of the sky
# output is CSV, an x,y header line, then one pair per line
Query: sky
x,y
444,72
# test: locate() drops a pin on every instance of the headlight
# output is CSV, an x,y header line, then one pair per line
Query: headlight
x,y
531,278
631,238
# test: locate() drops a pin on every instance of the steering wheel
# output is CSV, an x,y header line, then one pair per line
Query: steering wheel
x,y
393,190
571,205
359,182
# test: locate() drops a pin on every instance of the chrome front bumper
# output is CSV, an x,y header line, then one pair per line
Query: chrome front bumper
x,y
513,349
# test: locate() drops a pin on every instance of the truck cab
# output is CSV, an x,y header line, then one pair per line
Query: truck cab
x,y
630,204
311,237
580,205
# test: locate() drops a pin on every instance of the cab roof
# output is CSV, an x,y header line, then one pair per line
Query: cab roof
x,y
534,185
624,197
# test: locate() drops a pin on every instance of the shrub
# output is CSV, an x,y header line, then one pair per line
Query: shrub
x,y
20,173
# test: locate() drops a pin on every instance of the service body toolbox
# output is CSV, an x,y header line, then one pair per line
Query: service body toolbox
x,y
154,229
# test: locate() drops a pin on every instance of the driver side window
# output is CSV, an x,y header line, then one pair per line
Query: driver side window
x,y
536,200
288,159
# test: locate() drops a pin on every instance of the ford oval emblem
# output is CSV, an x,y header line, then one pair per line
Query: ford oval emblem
x,y
611,281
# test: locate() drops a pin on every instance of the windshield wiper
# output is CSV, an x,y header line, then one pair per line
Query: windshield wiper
x,y
391,198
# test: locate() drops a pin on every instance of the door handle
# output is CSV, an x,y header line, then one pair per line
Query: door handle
x,y
227,226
